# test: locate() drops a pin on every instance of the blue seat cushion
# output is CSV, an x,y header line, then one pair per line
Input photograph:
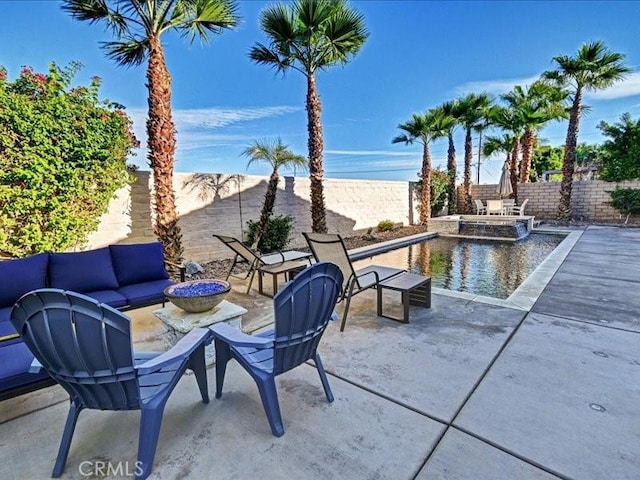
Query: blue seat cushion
x,y
6,328
110,297
15,361
138,263
145,293
20,276
82,272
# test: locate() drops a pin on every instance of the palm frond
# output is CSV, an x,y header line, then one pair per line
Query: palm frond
x,y
199,18
129,51
262,55
94,11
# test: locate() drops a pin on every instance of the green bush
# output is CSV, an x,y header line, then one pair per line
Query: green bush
x,y
439,182
63,156
626,201
621,152
276,233
385,226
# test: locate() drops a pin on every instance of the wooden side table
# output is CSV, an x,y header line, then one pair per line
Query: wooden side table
x,y
414,290
177,323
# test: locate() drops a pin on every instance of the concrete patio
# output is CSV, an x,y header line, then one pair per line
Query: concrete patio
x,y
469,390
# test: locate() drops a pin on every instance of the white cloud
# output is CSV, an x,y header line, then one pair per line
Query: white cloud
x,y
389,153
495,87
628,87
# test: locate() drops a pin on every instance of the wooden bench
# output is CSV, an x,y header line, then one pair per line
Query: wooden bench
x,y
414,290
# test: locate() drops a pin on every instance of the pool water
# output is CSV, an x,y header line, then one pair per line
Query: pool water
x,y
490,268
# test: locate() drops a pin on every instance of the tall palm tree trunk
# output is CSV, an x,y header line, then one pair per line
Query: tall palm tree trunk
x,y
267,206
569,162
451,171
468,157
316,168
513,166
425,196
162,146
527,153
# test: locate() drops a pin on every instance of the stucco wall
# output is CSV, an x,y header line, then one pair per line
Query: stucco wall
x,y
214,203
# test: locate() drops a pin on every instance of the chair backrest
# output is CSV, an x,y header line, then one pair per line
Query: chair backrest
x,y
479,205
239,248
524,204
83,344
508,202
302,310
328,247
494,205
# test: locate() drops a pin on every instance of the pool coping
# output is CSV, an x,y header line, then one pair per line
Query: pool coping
x,y
527,293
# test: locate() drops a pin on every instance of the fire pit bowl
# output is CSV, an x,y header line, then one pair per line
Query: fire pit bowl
x,y
197,296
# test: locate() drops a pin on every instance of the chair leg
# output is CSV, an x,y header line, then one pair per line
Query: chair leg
x,y
269,396
197,363
223,355
323,378
65,443
150,423
346,306
253,273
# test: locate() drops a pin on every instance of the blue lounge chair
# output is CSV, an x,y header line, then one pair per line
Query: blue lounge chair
x,y
86,347
303,309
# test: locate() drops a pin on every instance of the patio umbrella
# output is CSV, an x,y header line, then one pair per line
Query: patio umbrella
x,y
504,186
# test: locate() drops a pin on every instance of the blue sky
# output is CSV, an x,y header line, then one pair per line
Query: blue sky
x,y
419,54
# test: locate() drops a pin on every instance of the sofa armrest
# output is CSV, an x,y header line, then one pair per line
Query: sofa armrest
x,y
182,268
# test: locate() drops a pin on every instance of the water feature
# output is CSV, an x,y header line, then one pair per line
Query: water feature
x,y
493,229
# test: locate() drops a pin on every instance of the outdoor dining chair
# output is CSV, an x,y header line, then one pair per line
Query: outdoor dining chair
x,y
519,210
494,207
254,259
480,208
328,247
86,347
302,310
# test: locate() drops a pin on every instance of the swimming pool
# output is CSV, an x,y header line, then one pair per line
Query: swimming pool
x,y
490,268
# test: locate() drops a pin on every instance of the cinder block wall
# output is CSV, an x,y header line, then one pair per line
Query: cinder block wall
x,y
215,203
589,199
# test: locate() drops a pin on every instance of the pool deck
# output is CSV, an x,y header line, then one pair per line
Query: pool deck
x,y
544,387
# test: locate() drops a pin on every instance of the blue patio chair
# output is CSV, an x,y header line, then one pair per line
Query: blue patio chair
x,y
86,347
302,310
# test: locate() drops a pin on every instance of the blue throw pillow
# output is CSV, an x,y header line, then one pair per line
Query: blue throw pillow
x,y
82,272
138,263
20,276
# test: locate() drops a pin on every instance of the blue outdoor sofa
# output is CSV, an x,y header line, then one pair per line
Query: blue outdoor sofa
x,y
123,276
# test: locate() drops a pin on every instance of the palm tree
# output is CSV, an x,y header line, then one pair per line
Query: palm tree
x,y
595,67
138,26
499,144
509,118
474,110
277,155
308,36
423,129
452,110
536,105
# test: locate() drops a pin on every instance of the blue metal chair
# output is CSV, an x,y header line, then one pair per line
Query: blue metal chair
x,y
303,309
86,347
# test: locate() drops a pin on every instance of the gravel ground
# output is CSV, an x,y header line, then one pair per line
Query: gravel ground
x,y
219,268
